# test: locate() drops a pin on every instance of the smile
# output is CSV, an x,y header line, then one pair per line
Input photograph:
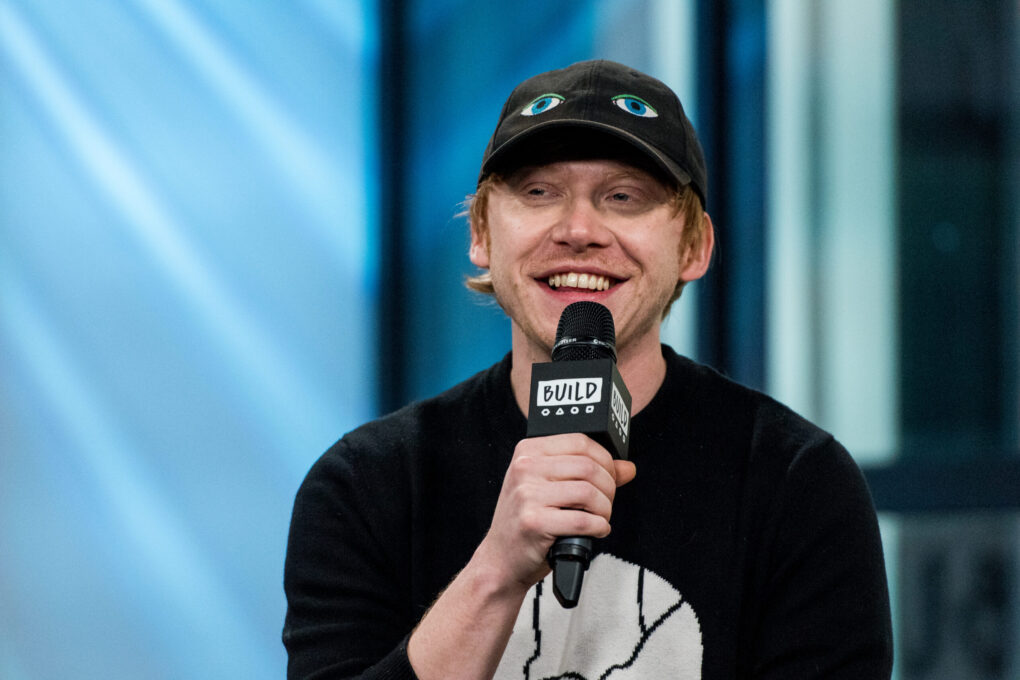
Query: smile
x,y
578,280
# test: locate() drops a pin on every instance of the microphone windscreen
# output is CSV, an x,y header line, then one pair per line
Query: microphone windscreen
x,y
585,331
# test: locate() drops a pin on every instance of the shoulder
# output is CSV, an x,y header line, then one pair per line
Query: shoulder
x,y
712,395
796,474
768,433
804,515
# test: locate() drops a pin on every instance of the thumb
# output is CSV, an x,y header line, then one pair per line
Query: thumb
x,y
625,471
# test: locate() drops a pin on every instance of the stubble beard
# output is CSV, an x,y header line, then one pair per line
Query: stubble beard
x,y
540,340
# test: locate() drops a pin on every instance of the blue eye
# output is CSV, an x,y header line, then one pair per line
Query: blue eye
x,y
635,105
542,104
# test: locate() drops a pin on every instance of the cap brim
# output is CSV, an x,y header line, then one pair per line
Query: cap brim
x,y
499,157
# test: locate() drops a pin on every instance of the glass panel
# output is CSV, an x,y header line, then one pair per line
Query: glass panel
x,y
893,288
186,315
955,595
832,223
674,61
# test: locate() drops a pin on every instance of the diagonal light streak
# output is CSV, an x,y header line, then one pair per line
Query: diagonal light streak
x,y
146,516
310,173
275,386
352,21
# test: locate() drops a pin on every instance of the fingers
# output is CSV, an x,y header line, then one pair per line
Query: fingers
x,y
556,471
561,485
569,495
568,472
565,446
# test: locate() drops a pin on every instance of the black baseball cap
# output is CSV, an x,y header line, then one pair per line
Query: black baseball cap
x,y
603,97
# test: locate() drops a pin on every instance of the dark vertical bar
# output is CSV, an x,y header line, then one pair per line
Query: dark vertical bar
x,y
391,330
731,96
954,228
711,22
745,189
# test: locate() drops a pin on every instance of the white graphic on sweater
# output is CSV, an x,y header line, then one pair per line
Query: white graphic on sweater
x,y
629,623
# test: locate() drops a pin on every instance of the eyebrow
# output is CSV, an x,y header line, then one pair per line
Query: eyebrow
x,y
629,172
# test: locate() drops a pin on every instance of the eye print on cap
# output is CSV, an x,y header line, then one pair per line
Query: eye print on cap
x,y
635,105
541,104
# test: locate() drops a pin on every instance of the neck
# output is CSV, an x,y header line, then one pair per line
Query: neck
x,y
640,364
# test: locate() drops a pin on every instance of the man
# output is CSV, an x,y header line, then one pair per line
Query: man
x,y
738,541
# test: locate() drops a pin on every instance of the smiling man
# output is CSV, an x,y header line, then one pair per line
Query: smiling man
x,y
738,542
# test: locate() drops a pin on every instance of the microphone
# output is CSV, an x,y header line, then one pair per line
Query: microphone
x,y
580,391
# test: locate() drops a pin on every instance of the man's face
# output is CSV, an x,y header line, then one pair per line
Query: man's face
x,y
598,230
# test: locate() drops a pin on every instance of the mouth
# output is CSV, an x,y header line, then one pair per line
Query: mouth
x,y
580,281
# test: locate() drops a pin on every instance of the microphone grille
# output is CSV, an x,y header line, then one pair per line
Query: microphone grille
x,y
586,331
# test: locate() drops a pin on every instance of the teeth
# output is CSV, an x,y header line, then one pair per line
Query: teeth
x,y
575,280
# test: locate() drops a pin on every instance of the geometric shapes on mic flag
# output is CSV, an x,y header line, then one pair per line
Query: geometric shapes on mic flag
x,y
629,623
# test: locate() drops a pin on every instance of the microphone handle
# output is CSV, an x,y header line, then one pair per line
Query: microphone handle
x,y
585,334
569,558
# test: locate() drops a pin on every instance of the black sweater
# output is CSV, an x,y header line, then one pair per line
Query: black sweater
x,y
747,546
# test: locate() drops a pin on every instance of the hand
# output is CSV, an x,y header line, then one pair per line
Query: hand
x,y
561,485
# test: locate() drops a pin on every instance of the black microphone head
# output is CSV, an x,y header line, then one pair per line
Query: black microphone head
x,y
586,331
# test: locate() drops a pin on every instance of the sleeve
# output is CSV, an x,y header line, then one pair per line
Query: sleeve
x,y
345,574
825,603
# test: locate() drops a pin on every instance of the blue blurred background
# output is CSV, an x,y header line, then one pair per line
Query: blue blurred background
x,y
229,233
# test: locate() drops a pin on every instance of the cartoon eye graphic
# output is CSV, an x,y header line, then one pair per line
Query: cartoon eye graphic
x,y
542,104
635,105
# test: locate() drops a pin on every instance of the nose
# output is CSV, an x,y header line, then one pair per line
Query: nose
x,y
582,227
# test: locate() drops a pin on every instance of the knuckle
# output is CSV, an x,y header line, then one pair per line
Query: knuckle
x,y
576,441
530,521
521,494
583,524
610,493
593,497
522,464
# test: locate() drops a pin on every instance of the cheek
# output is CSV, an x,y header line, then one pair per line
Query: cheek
x,y
658,248
661,261
509,241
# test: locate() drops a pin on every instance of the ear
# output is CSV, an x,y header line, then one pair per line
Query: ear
x,y
695,260
478,253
